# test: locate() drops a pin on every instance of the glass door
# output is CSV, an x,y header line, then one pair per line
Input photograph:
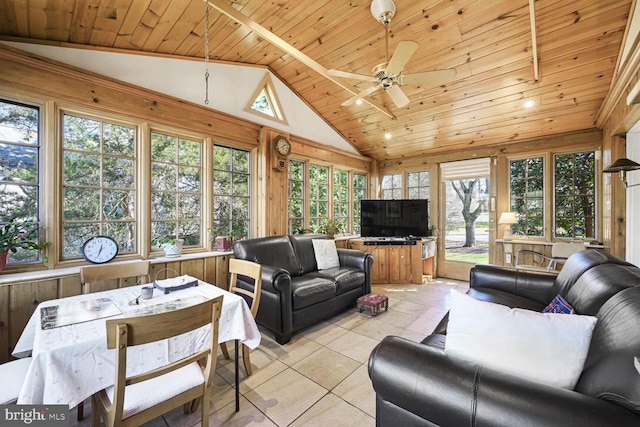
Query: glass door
x,y
464,227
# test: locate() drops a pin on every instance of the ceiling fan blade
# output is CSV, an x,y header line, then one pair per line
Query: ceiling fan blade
x,y
347,75
397,96
429,76
361,95
401,56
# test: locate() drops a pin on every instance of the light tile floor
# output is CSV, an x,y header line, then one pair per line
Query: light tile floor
x,y
320,378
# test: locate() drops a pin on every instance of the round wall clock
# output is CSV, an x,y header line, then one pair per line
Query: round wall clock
x,y
100,249
282,146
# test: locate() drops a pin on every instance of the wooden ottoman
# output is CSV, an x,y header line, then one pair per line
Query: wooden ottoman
x,y
373,303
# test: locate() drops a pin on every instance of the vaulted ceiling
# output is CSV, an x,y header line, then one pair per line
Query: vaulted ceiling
x,y
490,44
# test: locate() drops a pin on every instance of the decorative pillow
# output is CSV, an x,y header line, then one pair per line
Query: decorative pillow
x,y
541,347
326,253
559,305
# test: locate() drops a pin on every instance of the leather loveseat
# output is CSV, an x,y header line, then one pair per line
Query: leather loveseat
x,y
418,384
295,294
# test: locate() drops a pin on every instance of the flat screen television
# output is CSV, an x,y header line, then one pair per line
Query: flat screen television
x,y
394,218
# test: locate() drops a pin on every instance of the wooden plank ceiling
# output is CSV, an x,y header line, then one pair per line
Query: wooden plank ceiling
x,y
489,43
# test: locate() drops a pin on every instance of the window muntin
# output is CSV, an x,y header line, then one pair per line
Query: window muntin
x,y
575,195
176,188
526,177
341,199
296,196
19,170
231,191
99,186
419,185
359,193
318,196
392,186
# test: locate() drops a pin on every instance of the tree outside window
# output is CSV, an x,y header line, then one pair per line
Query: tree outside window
x,y
575,195
231,191
419,185
341,199
359,193
527,195
99,193
296,197
318,196
392,187
19,170
176,188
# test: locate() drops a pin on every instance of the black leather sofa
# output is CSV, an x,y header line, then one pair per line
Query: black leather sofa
x,y
418,384
295,294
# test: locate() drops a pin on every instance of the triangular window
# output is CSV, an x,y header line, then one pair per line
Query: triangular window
x,y
265,103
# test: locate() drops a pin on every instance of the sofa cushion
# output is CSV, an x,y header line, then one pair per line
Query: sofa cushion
x,y
308,290
303,248
505,298
559,305
542,347
326,253
275,251
346,278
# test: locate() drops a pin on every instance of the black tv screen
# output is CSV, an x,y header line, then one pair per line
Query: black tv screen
x,y
394,218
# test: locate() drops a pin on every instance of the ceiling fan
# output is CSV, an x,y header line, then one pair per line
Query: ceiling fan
x,y
388,75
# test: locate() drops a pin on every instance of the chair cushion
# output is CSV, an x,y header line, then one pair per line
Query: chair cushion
x,y
144,395
13,374
543,347
309,289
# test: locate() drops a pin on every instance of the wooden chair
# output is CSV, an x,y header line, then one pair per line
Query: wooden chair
x,y
560,251
13,374
94,277
136,399
254,271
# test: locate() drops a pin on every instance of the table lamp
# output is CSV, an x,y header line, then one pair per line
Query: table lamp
x,y
507,218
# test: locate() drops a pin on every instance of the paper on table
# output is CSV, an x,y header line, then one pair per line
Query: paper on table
x,y
73,312
169,305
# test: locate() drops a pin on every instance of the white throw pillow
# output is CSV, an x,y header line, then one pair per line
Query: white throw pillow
x,y
326,253
544,347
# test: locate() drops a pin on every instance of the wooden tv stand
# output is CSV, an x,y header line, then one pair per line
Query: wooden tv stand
x,y
397,260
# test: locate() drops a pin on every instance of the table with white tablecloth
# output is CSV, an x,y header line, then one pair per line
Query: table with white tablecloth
x,y
70,363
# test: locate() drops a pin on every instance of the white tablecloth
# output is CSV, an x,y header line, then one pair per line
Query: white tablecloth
x,y
70,363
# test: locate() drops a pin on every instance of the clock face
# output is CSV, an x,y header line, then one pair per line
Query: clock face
x,y
100,249
283,146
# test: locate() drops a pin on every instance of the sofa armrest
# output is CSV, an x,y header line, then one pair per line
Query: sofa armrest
x,y
276,279
357,259
412,379
529,284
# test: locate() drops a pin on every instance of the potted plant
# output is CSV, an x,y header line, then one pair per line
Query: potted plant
x,y
172,247
16,235
330,227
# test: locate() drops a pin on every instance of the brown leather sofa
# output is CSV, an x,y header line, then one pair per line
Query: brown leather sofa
x,y
295,294
418,384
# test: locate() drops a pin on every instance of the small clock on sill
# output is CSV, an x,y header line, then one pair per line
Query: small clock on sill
x,y
281,150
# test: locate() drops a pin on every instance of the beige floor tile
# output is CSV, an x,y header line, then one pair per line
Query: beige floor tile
x,y
411,308
333,411
263,366
326,367
295,350
248,415
354,345
357,390
286,396
348,319
323,333
376,328
397,318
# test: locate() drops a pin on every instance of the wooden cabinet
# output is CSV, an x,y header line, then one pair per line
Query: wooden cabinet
x,y
393,263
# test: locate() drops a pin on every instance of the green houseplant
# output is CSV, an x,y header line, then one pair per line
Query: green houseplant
x,y
172,247
16,235
330,227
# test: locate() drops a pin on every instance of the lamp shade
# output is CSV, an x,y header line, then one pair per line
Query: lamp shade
x,y
508,218
383,10
621,165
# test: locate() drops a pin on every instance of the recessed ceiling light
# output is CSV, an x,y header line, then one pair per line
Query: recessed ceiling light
x,y
387,135
359,101
529,103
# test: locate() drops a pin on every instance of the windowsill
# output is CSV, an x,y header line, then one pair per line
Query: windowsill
x,y
39,275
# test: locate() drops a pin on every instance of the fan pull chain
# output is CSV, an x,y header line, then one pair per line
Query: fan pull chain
x,y
206,53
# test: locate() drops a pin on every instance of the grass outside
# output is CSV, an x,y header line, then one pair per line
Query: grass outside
x,y
467,257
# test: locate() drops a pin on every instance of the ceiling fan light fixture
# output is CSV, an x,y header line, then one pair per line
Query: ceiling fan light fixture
x,y
387,135
383,10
